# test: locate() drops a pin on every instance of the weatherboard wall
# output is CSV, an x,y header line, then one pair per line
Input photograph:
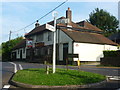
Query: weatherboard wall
x,y
63,38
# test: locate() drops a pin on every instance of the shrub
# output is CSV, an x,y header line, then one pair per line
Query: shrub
x,y
111,53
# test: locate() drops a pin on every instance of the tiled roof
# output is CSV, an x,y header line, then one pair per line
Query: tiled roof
x,y
21,44
86,37
88,25
36,30
41,28
78,36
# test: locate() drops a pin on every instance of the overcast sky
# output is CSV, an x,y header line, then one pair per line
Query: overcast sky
x,y
16,15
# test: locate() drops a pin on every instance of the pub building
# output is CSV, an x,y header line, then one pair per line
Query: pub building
x,y
80,38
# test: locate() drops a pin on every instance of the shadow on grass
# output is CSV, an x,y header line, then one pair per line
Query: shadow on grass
x,y
85,78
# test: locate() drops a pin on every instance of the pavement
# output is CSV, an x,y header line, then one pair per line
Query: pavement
x,y
8,69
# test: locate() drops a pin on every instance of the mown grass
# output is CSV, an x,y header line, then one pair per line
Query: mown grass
x,y
61,77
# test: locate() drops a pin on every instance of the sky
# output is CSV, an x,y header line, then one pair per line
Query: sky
x,y
16,15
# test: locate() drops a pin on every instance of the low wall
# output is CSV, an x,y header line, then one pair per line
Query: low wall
x,y
110,61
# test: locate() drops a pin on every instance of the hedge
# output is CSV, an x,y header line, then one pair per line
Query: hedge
x,y
111,53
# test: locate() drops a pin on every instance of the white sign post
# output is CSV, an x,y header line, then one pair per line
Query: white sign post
x,y
54,44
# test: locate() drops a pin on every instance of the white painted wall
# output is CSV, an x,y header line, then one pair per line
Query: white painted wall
x,y
18,54
91,52
23,53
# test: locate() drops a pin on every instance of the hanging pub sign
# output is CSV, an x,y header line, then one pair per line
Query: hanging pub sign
x,y
29,43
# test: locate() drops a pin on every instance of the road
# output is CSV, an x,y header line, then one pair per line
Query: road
x,y
8,71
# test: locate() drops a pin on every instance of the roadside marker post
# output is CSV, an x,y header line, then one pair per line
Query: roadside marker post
x,y
78,62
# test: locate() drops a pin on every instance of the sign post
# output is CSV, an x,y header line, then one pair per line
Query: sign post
x,y
54,44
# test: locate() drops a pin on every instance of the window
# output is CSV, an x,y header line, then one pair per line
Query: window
x,y
42,51
36,52
18,51
28,53
39,38
49,36
23,50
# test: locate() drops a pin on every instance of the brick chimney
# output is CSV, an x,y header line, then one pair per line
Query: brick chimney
x,y
37,24
69,14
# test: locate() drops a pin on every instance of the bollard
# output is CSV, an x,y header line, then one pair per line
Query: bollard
x,y
47,69
78,62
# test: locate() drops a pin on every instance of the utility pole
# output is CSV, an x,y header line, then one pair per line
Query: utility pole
x,y
54,44
9,42
10,36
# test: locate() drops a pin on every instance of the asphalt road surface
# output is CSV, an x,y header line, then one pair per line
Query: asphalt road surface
x,y
8,70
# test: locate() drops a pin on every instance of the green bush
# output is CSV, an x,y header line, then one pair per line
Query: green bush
x,y
111,53
7,48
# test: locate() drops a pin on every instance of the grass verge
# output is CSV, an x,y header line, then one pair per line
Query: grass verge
x,y
60,78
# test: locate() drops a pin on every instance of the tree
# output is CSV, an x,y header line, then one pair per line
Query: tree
x,y
7,48
103,20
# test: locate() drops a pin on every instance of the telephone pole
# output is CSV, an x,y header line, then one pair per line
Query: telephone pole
x,y
10,36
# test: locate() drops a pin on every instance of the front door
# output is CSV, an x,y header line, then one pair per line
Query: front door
x,y
20,54
13,56
65,51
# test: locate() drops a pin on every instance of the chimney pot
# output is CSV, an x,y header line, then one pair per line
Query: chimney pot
x,y
37,24
68,8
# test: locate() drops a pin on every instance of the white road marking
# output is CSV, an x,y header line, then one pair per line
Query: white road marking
x,y
20,67
6,86
113,77
15,67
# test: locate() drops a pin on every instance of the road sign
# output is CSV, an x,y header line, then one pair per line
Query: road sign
x,y
50,27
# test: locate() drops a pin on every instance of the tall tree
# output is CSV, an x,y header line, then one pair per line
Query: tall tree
x,y
103,20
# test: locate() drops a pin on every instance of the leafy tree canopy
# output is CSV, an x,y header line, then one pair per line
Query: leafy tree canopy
x,y
7,48
103,20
